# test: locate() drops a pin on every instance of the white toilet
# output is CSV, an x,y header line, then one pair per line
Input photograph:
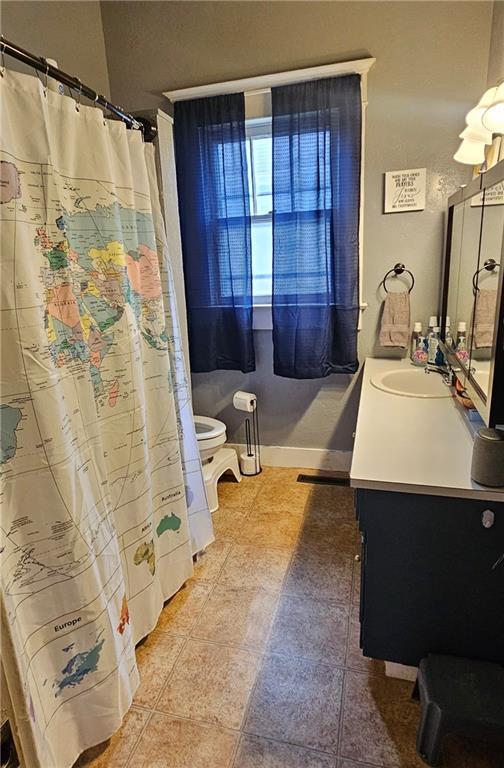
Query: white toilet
x,y
211,436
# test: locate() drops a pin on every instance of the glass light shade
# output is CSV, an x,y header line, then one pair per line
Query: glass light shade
x,y
473,118
488,97
470,152
477,134
493,117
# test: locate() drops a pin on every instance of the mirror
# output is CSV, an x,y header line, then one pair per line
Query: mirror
x,y
466,230
472,293
486,283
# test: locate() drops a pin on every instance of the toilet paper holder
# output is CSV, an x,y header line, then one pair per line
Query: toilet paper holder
x,y
250,459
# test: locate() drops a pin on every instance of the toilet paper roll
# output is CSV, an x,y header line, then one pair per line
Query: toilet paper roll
x,y
249,465
244,401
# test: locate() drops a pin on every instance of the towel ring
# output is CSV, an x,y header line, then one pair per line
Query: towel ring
x,y
398,269
490,265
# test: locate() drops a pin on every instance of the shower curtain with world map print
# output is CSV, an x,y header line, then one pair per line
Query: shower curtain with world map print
x,y
102,494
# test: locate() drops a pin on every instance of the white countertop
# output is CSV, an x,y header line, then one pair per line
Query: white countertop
x,y
411,444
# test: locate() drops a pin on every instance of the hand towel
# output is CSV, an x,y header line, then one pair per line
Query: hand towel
x,y
484,317
395,324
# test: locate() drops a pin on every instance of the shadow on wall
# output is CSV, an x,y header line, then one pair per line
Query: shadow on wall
x,y
314,413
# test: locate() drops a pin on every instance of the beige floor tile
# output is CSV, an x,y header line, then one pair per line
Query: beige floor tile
x,y
282,474
271,528
328,535
311,629
181,612
237,495
155,658
297,701
380,721
282,495
209,563
254,752
168,742
320,574
228,522
251,567
333,501
211,683
355,658
115,752
237,616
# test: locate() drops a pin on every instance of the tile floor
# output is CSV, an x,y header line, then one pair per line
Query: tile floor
x,y
256,663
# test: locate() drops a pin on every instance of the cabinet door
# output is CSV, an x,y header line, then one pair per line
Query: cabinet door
x,y
433,582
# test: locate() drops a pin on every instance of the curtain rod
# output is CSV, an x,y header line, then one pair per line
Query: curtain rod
x,y
266,82
42,65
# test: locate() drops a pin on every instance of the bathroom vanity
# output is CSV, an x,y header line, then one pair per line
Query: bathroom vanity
x,y
432,561
432,539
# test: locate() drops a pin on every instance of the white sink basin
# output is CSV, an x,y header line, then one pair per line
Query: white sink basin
x,y
412,382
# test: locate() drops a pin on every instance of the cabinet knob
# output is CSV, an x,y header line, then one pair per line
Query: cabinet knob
x,y
488,518
357,558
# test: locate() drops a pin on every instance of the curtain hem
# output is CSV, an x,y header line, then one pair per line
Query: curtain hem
x,y
314,373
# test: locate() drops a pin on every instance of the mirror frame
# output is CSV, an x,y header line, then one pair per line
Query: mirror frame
x,y
490,406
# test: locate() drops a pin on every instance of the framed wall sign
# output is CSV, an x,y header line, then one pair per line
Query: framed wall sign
x,y
405,190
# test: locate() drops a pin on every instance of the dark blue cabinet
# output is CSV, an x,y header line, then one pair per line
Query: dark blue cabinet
x,y
432,576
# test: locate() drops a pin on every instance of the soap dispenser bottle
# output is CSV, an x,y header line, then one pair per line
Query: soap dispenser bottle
x,y
461,343
430,331
418,354
433,346
448,335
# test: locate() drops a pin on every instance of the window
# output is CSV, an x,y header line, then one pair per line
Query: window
x,y
259,161
260,178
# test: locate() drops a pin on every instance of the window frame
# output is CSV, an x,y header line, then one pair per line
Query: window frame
x,y
258,128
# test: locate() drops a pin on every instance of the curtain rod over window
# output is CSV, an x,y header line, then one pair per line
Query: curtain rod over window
x,y
266,82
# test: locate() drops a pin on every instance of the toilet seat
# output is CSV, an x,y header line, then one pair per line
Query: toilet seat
x,y
207,428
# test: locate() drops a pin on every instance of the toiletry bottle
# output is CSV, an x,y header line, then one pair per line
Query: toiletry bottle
x,y
461,345
430,329
439,358
418,354
433,342
448,336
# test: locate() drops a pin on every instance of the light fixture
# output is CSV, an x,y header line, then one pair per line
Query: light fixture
x,y
493,117
476,134
484,120
470,152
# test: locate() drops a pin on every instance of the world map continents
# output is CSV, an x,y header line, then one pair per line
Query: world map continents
x,y
89,426
87,278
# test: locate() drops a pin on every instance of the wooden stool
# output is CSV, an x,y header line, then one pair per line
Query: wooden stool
x,y
458,696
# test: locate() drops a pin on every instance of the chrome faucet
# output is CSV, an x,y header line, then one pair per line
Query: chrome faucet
x,y
444,370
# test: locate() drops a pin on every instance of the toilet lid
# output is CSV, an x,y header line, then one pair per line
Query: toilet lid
x,y
207,428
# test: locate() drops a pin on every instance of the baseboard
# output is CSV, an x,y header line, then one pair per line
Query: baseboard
x,y
400,671
306,458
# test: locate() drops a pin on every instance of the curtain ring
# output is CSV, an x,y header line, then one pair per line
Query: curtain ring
x,y
78,103
2,56
46,76
96,97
